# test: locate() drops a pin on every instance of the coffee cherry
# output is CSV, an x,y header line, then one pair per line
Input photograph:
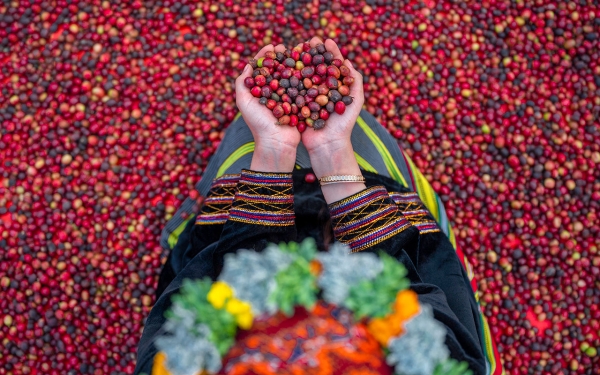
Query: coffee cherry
x,y
301,127
289,62
318,59
348,81
335,96
347,100
307,72
299,100
322,89
305,112
312,92
294,120
271,103
330,107
344,71
256,91
263,101
323,114
284,120
319,124
337,62
331,82
249,82
314,106
266,92
340,108
292,92
294,81
274,84
260,80
307,59
344,90
321,100
333,71
287,108
328,56
278,111
321,48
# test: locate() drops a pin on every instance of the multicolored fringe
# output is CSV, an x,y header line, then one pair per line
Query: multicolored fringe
x,y
367,218
264,198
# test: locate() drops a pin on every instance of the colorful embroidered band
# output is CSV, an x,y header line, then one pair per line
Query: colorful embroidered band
x,y
415,211
366,219
215,209
264,198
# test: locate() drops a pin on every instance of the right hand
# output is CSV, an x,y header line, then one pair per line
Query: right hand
x,y
336,133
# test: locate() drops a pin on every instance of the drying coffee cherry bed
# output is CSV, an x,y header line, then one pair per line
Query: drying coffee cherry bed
x,y
109,112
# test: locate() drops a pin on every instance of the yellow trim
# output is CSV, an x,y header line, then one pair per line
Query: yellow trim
x,y
237,116
364,164
241,151
451,236
174,236
487,336
424,190
383,151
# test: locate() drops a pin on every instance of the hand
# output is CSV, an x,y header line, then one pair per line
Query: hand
x,y
275,145
336,133
330,149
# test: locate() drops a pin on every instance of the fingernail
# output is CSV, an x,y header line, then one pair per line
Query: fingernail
x,y
246,68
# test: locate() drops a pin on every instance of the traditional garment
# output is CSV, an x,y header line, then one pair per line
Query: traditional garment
x,y
251,209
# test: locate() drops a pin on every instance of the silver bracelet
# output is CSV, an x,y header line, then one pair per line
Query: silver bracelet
x,y
327,180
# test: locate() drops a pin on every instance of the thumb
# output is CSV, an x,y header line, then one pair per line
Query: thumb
x,y
239,82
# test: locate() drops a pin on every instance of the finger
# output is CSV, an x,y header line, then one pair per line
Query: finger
x,y
280,48
332,47
357,88
264,50
239,82
315,41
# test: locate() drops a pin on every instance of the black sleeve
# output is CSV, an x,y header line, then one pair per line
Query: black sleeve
x,y
247,211
400,225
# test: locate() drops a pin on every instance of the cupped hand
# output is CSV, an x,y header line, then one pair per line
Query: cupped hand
x,y
261,121
338,129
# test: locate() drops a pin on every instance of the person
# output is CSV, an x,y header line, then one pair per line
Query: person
x,y
262,186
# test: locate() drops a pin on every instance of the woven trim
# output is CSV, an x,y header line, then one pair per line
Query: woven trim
x,y
264,199
215,210
366,219
415,211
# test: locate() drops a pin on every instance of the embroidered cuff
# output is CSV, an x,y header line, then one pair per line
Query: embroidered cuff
x,y
415,211
264,199
367,218
215,209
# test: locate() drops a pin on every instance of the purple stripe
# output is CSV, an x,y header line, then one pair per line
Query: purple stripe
x,y
369,197
253,198
214,200
275,217
381,232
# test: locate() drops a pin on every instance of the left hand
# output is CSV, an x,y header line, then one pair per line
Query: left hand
x,y
276,145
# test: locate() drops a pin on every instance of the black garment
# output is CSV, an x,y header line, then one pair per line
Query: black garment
x,y
435,271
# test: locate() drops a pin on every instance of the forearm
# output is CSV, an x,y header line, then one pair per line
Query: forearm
x,y
337,159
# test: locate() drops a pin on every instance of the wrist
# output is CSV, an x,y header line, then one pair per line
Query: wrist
x,y
334,159
269,157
